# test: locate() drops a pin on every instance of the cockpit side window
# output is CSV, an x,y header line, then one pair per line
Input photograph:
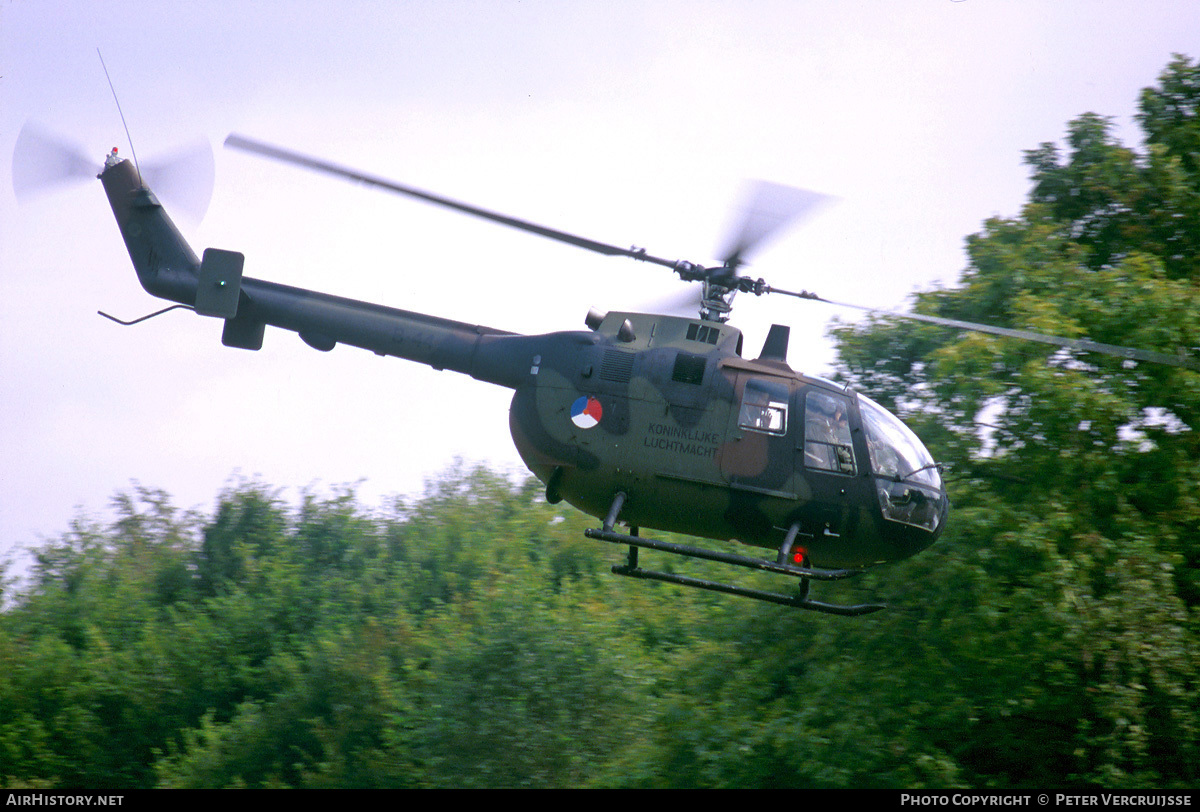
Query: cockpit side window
x,y
895,451
827,443
901,463
764,406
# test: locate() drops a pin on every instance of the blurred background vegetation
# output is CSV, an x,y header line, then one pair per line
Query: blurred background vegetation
x,y
473,638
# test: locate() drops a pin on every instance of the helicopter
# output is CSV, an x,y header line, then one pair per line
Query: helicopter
x,y
643,421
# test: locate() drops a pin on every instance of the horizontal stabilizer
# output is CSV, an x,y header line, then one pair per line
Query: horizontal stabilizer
x,y
244,333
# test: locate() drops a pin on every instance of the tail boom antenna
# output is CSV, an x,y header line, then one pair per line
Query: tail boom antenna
x,y
121,113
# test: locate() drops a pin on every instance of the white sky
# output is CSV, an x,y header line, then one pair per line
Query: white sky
x,y
631,122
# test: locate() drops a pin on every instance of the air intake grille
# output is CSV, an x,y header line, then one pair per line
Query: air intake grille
x,y
617,366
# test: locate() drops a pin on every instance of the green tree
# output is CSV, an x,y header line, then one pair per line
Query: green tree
x,y
1075,512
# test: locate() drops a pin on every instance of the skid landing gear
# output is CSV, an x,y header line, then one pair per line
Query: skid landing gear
x,y
801,600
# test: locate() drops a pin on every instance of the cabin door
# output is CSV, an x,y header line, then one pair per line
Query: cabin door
x,y
760,448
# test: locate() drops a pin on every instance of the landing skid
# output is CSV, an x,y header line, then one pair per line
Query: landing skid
x,y
779,566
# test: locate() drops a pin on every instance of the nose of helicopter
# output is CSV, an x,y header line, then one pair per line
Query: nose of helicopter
x,y
908,483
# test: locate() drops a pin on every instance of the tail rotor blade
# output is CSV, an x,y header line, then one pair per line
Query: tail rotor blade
x,y
42,161
185,178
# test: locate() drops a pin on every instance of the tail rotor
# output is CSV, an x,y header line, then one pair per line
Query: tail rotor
x,y
44,162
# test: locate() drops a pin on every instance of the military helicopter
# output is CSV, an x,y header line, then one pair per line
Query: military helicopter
x,y
641,420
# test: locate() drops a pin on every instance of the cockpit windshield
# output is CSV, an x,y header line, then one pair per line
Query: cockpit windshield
x,y
895,450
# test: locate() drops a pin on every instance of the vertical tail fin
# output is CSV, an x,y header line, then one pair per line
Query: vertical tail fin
x,y
165,264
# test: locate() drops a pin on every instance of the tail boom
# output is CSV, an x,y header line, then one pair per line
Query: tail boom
x,y
169,269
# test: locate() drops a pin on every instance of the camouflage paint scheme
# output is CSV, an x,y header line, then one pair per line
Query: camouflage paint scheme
x,y
659,403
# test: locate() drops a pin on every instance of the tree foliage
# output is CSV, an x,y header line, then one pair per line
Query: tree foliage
x,y
1075,473
463,640
473,638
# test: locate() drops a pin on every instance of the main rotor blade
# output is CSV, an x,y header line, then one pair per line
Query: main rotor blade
x,y
768,208
319,165
1026,335
686,303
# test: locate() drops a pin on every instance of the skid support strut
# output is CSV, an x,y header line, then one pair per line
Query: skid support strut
x,y
779,566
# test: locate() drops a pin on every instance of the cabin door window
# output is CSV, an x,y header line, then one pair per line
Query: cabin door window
x,y
827,443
